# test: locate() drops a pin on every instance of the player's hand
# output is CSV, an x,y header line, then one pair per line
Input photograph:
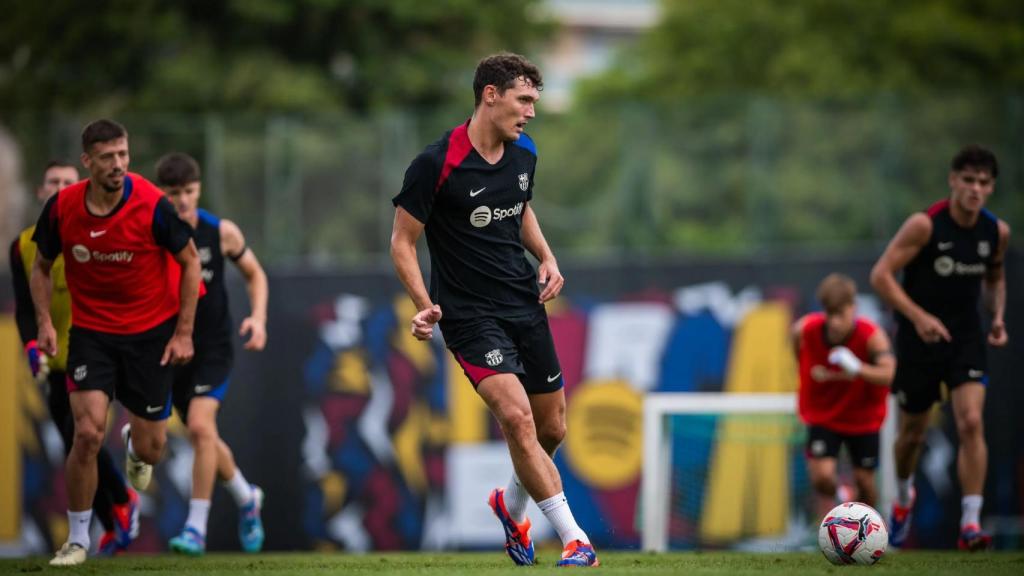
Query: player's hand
x,y
38,362
931,329
997,335
46,339
258,331
845,358
423,322
551,279
178,350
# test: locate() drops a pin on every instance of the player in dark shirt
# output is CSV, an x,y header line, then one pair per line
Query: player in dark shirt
x,y
952,258
470,192
133,273
200,386
116,505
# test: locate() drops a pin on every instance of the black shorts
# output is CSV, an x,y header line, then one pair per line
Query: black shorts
x,y
921,369
205,376
125,366
519,345
825,443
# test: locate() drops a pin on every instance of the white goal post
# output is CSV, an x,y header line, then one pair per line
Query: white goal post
x,y
657,447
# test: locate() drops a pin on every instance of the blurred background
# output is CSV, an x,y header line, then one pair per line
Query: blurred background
x,y
702,164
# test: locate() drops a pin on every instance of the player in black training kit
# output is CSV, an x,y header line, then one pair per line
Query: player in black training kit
x,y
200,386
470,191
948,254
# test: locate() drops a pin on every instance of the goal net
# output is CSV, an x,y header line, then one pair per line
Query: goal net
x,y
728,471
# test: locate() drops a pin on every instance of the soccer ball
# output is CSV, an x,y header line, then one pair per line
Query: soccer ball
x,y
853,533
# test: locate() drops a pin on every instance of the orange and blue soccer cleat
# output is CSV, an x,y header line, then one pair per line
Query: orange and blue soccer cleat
x,y
126,519
973,539
899,521
579,553
108,544
517,536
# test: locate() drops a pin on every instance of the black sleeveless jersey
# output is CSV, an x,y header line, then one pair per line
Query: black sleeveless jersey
x,y
945,277
473,216
213,318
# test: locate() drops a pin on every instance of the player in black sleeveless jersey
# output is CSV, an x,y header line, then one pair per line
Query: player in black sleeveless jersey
x,y
470,192
200,386
952,257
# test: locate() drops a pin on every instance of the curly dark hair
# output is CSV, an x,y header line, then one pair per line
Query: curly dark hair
x,y
502,70
177,169
977,157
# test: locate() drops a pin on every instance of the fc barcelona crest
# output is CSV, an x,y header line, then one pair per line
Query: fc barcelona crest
x,y
524,181
493,357
984,249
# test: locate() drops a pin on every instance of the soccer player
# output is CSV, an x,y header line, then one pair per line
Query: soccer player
x,y
199,386
133,274
846,367
470,191
950,255
115,504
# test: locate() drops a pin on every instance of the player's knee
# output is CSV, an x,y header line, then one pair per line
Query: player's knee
x,y
201,432
88,440
912,436
825,485
149,448
969,425
518,426
550,435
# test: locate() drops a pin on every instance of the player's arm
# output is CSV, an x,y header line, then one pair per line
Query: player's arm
x,y
905,245
232,244
548,274
882,368
175,236
405,231
25,313
48,247
994,289
796,335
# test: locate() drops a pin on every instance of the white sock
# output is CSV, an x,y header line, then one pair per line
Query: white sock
x,y
78,527
556,509
904,489
971,504
198,512
516,499
239,488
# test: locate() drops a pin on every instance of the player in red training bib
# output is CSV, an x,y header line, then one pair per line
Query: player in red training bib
x,y
133,273
846,368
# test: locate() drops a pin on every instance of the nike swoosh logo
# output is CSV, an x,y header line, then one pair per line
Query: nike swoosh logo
x,y
473,193
555,377
945,245
203,388
95,234
154,409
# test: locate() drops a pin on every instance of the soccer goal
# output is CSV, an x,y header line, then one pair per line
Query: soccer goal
x,y
727,470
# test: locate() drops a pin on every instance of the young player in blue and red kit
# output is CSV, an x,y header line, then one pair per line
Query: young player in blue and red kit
x,y
470,193
846,367
133,273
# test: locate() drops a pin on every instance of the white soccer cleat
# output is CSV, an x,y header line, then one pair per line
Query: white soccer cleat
x,y
70,554
138,472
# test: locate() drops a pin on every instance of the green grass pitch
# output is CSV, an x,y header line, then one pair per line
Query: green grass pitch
x,y
469,564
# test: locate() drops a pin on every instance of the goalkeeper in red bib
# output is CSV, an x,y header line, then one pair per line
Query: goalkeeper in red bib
x,y
846,368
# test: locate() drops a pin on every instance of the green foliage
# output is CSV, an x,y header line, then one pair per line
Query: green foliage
x,y
250,55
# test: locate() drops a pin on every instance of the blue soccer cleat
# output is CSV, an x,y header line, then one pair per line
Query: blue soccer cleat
x,y
579,553
190,542
108,544
250,526
972,539
126,519
517,536
899,522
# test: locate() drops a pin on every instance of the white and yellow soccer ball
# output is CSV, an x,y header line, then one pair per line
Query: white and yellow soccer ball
x,y
853,533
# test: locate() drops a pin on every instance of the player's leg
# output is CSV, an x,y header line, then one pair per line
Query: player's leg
x,y
248,497
200,418
121,502
916,386
972,462
821,453
863,450
89,410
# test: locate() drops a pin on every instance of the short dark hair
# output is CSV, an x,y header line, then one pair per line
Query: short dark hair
x,y
177,169
102,130
502,70
836,291
56,163
977,157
